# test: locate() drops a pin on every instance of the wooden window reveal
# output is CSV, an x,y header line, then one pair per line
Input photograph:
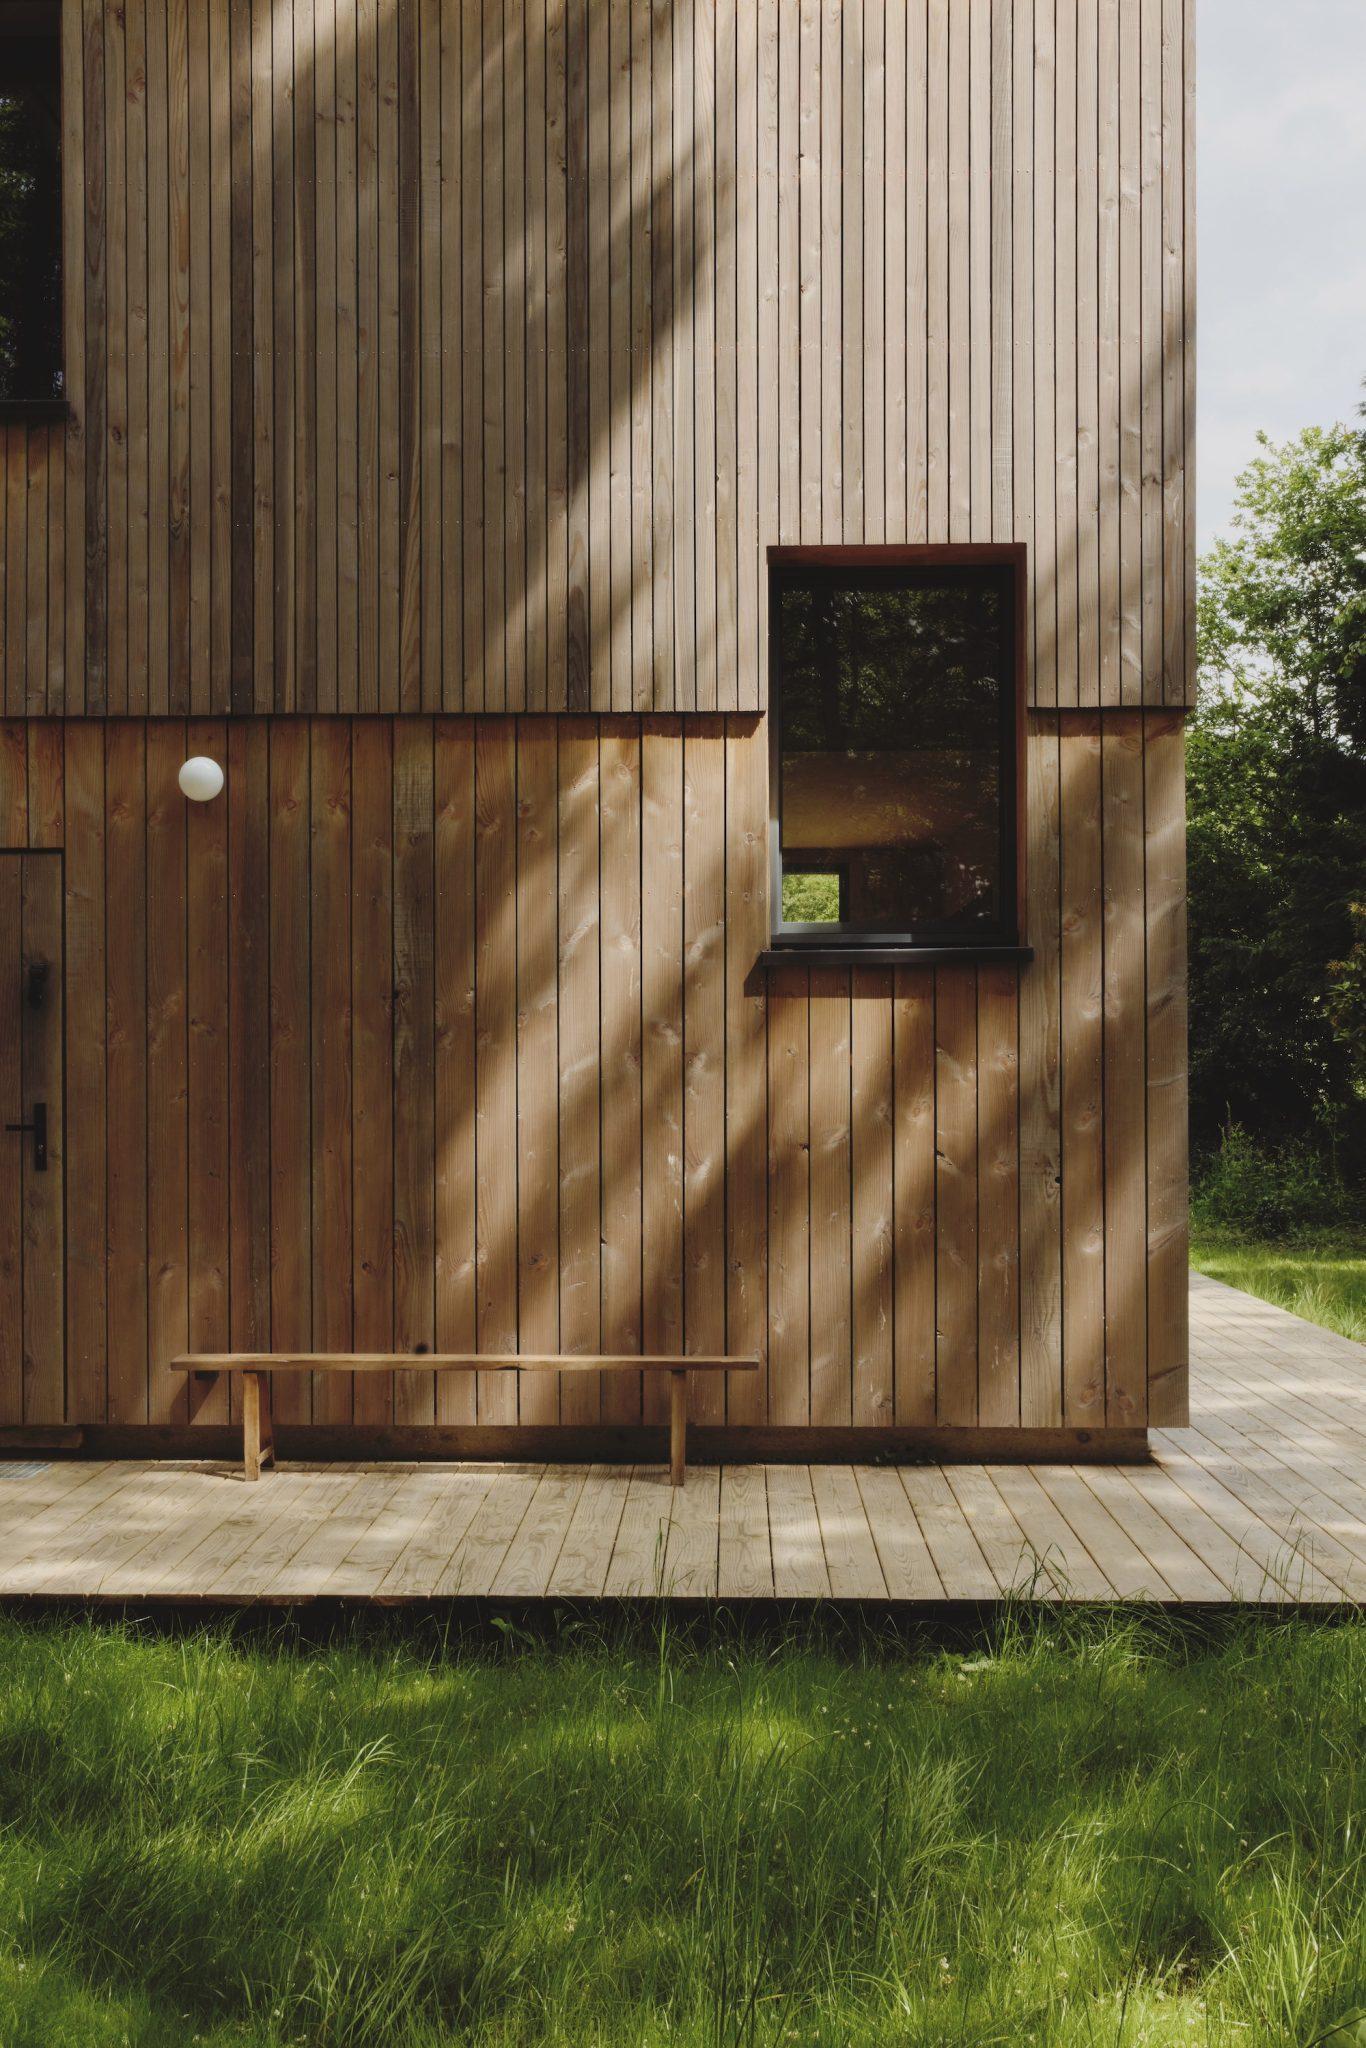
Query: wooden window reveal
x,y
896,746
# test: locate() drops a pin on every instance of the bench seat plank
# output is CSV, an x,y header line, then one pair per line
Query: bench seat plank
x,y
446,1361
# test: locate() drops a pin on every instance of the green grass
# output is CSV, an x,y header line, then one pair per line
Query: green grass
x,y
1096,1830
1322,1279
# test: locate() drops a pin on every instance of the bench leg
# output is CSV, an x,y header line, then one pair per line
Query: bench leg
x,y
678,1426
267,1422
258,1435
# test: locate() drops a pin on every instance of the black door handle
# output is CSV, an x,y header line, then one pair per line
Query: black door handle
x,y
39,1130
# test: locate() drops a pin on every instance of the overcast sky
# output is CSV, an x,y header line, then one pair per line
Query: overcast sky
x,y
1281,197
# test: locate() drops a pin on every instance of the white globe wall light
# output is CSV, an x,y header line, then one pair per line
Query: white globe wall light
x,y
200,779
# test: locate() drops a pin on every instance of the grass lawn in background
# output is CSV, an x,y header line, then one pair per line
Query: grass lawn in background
x,y
1322,1278
1097,1829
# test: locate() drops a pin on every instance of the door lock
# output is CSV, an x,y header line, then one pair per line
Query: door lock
x,y
39,1130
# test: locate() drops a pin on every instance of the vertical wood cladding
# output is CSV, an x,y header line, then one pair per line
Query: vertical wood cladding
x,y
448,1030
464,357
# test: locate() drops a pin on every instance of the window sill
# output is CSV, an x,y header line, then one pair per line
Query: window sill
x,y
34,411
895,956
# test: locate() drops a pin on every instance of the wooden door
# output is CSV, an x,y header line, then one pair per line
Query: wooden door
x,y
32,1247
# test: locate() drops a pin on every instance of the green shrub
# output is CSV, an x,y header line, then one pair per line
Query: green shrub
x,y
1270,1191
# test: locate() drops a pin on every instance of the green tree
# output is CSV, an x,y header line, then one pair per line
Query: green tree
x,y
1278,800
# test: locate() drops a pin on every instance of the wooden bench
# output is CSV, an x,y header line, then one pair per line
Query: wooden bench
x,y
258,1435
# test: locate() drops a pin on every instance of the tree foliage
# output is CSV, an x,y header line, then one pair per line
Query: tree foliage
x,y
1278,803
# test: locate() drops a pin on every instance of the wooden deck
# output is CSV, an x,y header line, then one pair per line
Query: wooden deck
x,y
1262,1500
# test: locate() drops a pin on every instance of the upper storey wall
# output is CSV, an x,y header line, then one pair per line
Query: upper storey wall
x,y
426,355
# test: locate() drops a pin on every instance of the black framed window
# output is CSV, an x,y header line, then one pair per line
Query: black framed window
x,y
895,731
30,204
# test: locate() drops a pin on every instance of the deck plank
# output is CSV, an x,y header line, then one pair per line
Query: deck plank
x,y
799,1567
745,1550
580,1570
850,1553
908,1569
640,1553
532,1553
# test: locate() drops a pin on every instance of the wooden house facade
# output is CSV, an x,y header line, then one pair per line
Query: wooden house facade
x,y
438,376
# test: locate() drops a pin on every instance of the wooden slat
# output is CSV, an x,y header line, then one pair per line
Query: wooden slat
x,y
579,995
538,1132
956,1194
537,317
1108,312
117,507
682,356
249,1128
74,351
622,1107
291,1221
430,312
1124,1051
471,565
830,1199
286,593
217,288
976,470
704,1107
495,980
1166,1084
615,121
85,1069
372,1052
390,337
914,1196
329,910
241,329
746,931
1040,1083
998,1195
167,1087
125,857
866,79
1046,609
789,1196
414,1051
1083,131
269,518
1129,394
1083,1222
1067,508
1008,154
703,372
660,223
597,195
346,328
1173,566
960,463
206,952
661,1050
401,688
